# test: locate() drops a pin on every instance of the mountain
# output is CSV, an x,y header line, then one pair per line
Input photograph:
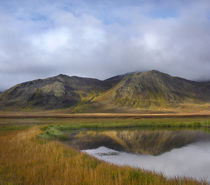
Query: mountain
x,y
154,88
57,92
132,90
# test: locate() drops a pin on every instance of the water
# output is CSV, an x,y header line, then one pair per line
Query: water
x,y
184,153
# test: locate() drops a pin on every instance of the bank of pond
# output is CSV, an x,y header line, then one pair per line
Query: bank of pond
x,y
101,152
174,152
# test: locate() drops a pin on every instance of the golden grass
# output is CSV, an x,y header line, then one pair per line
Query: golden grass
x,y
25,160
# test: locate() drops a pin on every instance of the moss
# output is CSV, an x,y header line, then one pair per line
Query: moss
x,y
52,133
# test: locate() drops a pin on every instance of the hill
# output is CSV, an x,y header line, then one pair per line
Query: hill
x,y
154,88
56,92
133,90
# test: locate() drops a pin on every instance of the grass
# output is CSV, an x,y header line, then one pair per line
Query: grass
x,y
13,127
27,160
54,128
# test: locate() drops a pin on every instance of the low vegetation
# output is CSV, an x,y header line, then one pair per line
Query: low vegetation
x,y
27,160
54,128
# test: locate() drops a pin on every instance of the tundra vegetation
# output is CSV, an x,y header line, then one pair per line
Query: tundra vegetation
x,y
31,154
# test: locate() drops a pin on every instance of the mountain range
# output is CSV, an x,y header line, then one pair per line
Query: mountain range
x,y
151,89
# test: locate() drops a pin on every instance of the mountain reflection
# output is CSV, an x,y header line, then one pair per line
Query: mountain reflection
x,y
152,142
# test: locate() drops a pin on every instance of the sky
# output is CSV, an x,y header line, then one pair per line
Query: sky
x,y
103,38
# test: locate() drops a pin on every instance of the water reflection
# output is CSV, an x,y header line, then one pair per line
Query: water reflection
x,y
190,161
171,152
153,142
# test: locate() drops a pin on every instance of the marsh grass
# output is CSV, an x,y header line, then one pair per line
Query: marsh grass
x,y
55,130
27,160
13,127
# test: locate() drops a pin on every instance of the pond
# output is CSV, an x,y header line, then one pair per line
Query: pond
x,y
184,153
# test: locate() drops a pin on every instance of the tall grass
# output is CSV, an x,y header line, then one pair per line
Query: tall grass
x,y
26,160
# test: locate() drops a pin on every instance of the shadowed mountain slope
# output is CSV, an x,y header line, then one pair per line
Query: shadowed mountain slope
x,y
56,92
145,89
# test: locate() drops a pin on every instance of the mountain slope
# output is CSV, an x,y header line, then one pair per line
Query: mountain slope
x,y
134,90
57,92
154,88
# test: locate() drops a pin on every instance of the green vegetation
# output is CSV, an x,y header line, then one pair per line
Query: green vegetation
x,y
53,130
13,127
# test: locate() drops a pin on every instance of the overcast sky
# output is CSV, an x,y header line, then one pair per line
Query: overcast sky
x,y
103,38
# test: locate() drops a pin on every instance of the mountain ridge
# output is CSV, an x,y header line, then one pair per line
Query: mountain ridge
x,y
131,90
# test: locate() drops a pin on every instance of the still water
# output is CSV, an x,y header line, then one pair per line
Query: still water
x,y
171,152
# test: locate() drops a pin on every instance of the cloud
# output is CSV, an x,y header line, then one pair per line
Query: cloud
x,y
170,163
103,39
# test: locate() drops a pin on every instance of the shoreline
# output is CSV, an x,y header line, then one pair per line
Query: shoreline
x,y
101,115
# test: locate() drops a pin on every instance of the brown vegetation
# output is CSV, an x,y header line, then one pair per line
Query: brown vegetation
x,y
26,160
52,114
